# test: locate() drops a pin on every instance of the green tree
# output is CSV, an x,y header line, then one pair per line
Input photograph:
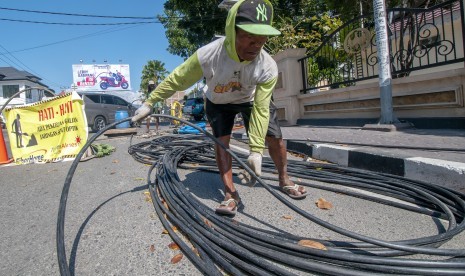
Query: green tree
x,y
303,24
179,43
153,70
191,24
305,32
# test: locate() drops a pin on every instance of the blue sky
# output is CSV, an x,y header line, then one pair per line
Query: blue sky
x,y
49,51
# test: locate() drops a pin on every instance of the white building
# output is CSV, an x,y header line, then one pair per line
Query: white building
x,y
13,81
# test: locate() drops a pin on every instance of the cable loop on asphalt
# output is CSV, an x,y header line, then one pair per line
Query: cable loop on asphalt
x,y
218,245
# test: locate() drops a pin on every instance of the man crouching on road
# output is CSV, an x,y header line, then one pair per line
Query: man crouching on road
x,y
240,78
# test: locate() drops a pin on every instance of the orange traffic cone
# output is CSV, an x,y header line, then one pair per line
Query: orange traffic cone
x,y
3,153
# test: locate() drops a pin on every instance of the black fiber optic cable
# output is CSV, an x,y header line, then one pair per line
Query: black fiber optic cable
x,y
357,272
241,249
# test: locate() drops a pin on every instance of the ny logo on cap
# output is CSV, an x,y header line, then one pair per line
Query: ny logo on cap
x,y
261,11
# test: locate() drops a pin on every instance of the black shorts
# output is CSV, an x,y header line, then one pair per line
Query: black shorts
x,y
221,118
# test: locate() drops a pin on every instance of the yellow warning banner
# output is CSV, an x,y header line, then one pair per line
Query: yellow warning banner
x,y
47,131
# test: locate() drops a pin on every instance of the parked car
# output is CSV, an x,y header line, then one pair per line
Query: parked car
x,y
194,107
101,108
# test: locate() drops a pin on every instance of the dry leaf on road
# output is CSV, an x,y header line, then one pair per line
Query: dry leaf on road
x,y
323,204
286,217
177,258
148,198
312,244
152,248
208,223
173,246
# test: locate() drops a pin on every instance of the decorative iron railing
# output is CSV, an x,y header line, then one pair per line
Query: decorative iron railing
x,y
419,39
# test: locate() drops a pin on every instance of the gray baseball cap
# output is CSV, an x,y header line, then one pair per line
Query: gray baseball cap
x,y
255,17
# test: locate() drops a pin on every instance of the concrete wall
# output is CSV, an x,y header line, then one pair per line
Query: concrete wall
x,y
437,94
289,85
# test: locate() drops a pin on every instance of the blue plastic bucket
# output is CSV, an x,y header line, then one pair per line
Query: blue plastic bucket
x,y
120,115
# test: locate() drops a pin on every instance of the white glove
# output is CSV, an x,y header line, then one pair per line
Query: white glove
x,y
254,161
142,112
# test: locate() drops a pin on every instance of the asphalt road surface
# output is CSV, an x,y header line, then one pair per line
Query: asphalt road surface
x,y
111,227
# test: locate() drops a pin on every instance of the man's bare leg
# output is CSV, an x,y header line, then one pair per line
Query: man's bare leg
x,y
224,163
148,124
278,154
157,122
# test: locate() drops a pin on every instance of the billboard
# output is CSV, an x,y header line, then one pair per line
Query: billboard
x,y
101,77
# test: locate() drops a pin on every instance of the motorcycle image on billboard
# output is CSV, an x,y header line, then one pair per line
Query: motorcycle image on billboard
x,y
101,77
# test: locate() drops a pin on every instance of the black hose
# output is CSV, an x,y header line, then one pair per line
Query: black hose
x,y
338,256
368,259
241,249
61,250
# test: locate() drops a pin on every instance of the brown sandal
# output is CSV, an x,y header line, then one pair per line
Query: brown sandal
x,y
225,209
287,190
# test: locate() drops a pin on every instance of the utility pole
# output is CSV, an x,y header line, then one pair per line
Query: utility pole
x,y
387,121
384,68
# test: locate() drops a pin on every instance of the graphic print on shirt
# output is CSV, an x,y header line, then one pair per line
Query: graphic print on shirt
x,y
233,85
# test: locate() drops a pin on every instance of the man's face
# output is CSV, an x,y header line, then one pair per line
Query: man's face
x,y
248,45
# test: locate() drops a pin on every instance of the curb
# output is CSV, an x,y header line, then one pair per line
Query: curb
x,y
443,173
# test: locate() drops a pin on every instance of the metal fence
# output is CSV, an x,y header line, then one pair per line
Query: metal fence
x,y
418,39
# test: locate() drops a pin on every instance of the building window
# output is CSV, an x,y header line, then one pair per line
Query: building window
x,y
28,92
41,94
10,90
